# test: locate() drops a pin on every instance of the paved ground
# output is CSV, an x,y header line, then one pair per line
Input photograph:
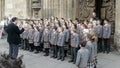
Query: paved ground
x,y
32,60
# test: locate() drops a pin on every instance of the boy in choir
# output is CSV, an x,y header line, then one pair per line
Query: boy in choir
x,y
82,56
106,36
45,40
60,43
54,38
67,37
31,37
42,28
99,31
74,45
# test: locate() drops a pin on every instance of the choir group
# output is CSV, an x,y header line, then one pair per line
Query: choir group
x,y
81,40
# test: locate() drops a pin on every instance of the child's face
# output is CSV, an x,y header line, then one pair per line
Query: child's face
x,y
53,30
60,30
64,26
90,26
105,22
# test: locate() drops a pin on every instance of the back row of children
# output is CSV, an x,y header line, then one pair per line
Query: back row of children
x,y
63,37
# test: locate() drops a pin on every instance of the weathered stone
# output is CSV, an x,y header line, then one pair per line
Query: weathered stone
x,y
2,5
117,25
16,8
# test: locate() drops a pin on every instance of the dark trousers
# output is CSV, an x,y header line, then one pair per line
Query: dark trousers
x,y
61,52
22,44
13,50
41,46
31,46
74,54
100,45
107,45
66,48
47,51
26,44
37,48
55,50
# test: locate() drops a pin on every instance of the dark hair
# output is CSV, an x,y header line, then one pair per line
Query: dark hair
x,y
55,27
14,19
106,20
32,26
90,37
7,62
75,26
83,44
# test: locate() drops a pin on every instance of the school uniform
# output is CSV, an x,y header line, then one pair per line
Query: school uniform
x,y
36,41
90,47
54,39
106,37
95,52
25,37
84,35
74,46
45,40
22,41
67,40
31,38
80,32
60,43
41,34
51,32
92,31
99,31
82,58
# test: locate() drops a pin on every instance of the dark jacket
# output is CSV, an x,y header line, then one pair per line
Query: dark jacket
x,y
13,34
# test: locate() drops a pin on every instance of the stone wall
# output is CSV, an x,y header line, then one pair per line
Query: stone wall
x,y
58,8
117,25
2,4
16,8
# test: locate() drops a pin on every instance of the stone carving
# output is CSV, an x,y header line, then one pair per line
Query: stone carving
x,y
109,12
84,12
36,6
91,3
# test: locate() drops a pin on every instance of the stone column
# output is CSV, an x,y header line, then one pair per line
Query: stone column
x,y
117,25
2,7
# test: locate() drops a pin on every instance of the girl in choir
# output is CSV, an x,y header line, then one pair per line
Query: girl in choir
x,y
91,28
45,40
60,43
36,39
95,39
91,47
25,37
85,32
74,45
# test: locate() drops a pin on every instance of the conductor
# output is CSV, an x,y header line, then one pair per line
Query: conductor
x,y
13,38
